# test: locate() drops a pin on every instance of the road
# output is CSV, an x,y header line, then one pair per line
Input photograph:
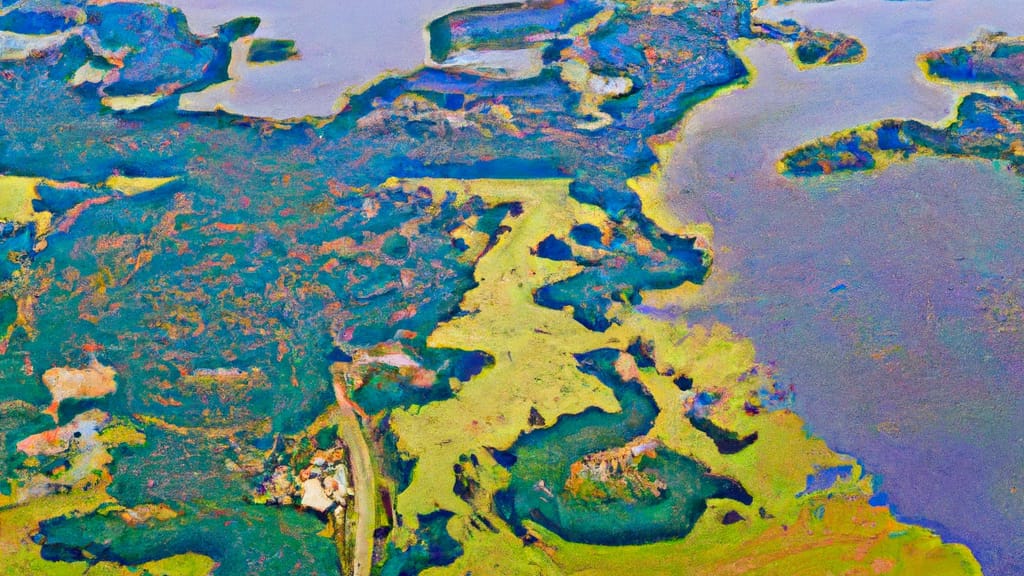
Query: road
x,y
363,482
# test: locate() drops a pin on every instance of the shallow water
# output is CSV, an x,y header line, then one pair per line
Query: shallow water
x,y
877,294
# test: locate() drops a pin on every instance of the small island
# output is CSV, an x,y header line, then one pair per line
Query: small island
x,y
271,51
812,48
986,126
993,57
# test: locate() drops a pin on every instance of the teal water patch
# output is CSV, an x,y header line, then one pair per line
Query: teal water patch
x,y
188,473
540,466
433,547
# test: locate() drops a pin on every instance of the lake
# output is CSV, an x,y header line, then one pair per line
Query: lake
x,y
877,294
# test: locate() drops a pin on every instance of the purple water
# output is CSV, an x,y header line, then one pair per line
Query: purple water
x,y
892,300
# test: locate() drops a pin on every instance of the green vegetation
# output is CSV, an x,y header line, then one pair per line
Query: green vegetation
x,y
240,276
494,409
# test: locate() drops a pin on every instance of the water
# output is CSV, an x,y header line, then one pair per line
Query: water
x,y
344,44
879,294
542,455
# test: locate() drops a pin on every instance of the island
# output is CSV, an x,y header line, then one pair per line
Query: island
x,y
986,126
812,48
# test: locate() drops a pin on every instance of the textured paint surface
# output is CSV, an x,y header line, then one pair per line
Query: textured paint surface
x,y
464,322
886,296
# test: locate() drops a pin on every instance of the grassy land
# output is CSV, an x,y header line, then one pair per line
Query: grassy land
x,y
782,532
20,555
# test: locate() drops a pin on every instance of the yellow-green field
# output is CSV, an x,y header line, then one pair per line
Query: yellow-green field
x,y
834,530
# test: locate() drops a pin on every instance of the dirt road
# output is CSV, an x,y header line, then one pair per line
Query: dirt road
x,y
363,481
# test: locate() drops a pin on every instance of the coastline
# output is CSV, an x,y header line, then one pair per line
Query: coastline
x,y
764,209
745,398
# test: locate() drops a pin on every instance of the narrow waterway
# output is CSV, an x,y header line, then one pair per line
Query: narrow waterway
x,y
891,300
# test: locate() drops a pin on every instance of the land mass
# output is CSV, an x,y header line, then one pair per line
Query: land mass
x,y
432,300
